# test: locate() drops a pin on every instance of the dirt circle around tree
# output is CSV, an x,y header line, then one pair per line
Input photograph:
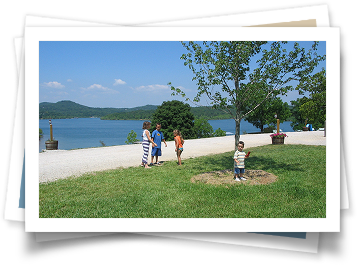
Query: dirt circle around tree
x,y
226,177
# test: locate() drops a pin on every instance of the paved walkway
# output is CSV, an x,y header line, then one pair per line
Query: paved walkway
x,y
59,164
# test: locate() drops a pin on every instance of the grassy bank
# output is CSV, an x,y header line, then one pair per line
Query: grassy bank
x,y
167,192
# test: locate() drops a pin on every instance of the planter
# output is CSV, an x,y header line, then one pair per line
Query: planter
x,y
51,145
305,129
277,140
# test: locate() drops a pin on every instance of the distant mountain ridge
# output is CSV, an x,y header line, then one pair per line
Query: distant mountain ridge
x,y
67,109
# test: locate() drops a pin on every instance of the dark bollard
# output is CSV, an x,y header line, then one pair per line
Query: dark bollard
x,y
51,144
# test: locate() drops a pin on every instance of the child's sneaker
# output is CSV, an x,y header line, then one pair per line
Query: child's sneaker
x,y
243,178
237,179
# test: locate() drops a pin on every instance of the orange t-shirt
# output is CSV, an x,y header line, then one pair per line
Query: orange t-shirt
x,y
179,141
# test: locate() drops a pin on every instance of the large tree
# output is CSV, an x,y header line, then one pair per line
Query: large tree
x,y
224,72
174,115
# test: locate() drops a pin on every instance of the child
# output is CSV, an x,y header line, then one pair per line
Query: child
x,y
146,144
239,157
178,145
157,136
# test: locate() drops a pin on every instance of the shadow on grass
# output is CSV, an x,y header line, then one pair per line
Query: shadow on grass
x,y
267,163
264,163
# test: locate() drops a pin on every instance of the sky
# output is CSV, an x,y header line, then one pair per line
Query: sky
x,y
118,74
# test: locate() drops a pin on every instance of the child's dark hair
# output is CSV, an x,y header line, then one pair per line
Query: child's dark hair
x,y
241,142
146,124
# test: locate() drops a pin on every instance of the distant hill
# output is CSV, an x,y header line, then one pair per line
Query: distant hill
x,y
140,114
68,109
146,114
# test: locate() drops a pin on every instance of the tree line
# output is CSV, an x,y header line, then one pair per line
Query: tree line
x,y
198,112
67,109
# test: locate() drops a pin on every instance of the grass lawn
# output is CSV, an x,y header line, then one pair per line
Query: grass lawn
x,y
167,192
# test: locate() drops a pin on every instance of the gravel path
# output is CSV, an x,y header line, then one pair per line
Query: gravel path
x,y
57,164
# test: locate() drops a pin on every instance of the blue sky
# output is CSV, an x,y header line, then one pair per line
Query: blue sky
x,y
117,74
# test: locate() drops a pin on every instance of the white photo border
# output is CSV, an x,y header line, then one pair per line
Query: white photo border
x,y
33,35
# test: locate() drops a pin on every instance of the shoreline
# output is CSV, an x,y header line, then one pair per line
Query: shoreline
x,y
60,164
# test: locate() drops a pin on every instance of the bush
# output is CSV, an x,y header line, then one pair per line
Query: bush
x,y
131,137
219,132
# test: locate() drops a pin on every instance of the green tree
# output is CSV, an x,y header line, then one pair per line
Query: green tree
x,y
222,72
313,107
297,120
264,114
174,115
131,138
202,128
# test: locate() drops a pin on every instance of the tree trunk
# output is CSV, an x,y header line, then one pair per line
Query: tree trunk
x,y
237,114
237,135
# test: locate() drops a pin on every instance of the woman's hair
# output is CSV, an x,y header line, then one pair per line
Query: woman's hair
x,y
179,134
146,124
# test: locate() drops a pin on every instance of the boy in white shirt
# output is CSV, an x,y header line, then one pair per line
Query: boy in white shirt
x,y
239,157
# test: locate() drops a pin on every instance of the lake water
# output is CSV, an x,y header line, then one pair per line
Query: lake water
x,y
90,132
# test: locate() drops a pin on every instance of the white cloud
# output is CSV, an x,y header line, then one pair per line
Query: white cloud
x,y
53,85
97,87
153,88
158,88
69,80
119,82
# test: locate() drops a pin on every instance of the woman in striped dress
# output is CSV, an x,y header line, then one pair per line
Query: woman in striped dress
x,y
146,143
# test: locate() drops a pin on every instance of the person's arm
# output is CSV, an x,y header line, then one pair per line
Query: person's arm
x,y
150,139
235,158
176,145
163,139
152,136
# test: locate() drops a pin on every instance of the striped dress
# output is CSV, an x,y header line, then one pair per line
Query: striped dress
x,y
146,145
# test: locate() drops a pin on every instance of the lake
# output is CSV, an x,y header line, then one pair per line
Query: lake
x,y
90,132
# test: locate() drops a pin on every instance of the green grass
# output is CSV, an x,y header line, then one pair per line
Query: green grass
x,y
167,192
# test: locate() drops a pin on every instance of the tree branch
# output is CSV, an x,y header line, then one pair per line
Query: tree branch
x,y
267,96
